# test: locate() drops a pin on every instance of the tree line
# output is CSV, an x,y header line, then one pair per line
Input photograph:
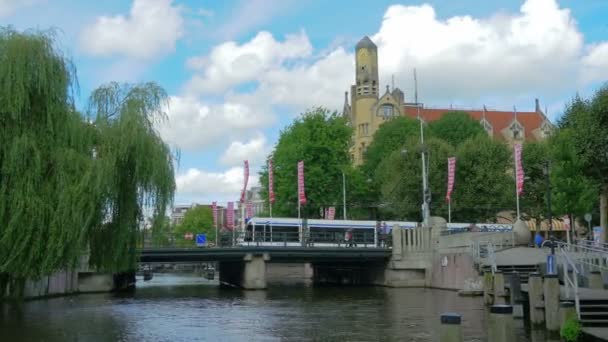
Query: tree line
x,y
73,182
388,184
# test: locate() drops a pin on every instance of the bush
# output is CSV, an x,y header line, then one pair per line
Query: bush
x,y
571,330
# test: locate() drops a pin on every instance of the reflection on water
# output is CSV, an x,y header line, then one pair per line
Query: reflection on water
x,y
177,308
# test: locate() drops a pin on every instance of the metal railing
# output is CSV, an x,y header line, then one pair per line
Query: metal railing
x,y
589,255
570,279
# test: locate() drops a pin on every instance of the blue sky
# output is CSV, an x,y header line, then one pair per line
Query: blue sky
x,y
240,71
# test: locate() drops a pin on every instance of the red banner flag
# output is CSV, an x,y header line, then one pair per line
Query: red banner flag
x,y
245,179
451,177
270,182
249,209
214,209
331,213
301,192
230,215
519,169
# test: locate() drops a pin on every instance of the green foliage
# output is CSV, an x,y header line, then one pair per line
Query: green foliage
x,y
321,140
196,221
161,234
588,121
400,176
135,169
533,202
389,137
67,183
482,188
571,331
455,128
48,179
572,192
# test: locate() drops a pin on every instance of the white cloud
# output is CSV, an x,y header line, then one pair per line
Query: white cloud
x,y
464,57
193,125
506,58
151,29
255,151
8,7
219,185
595,63
230,64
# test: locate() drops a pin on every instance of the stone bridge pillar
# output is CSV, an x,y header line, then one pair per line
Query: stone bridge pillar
x,y
250,273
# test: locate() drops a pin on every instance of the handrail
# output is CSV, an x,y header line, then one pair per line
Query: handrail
x,y
492,257
568,263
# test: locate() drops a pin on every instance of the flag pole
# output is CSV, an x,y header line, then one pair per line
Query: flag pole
x,y
450,210
516,189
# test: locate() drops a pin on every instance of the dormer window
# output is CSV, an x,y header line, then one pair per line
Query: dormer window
x,y
517,131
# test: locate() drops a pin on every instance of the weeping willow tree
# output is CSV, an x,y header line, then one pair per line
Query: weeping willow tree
x,y
136,169
66,182
47,176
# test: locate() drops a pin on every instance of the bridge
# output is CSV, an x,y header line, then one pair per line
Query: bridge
x,y
276,254
246,266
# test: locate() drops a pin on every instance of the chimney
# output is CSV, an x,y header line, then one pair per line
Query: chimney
x,y
537,106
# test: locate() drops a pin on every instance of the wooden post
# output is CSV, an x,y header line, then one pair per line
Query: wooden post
x,y
451,329
535,294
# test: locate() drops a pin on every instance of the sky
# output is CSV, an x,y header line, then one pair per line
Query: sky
x,y
239,71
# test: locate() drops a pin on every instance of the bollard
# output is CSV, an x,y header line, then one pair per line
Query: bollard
x,y
535,295
595,280
567,310
501,327
499,288
451,330
551,293
516,298
488,287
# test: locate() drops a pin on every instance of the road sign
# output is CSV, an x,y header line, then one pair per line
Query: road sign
x,y
550,264
588,217
201,240
188,236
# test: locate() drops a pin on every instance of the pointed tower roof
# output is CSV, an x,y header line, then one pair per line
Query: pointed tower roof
x,y
365,43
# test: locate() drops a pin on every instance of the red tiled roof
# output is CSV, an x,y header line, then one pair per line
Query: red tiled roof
x,y
498,119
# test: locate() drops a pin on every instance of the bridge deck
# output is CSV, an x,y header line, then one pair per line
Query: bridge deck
x,y
277,254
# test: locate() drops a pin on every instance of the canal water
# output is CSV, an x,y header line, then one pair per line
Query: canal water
x,y
188,308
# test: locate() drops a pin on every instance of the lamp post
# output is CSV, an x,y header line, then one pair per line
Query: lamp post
x,y
549,217
344,195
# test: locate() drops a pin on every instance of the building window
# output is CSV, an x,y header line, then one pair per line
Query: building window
x,y
387,111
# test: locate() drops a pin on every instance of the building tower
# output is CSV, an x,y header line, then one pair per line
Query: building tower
x,y
364,96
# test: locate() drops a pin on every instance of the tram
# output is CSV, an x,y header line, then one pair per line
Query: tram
x,y
278,231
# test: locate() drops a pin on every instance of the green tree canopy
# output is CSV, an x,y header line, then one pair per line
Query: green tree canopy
x,y
196,221
400,176
389,137
48,180
66,182
135,169
572,192
455,128
482,186
588,122
321,139
533,202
